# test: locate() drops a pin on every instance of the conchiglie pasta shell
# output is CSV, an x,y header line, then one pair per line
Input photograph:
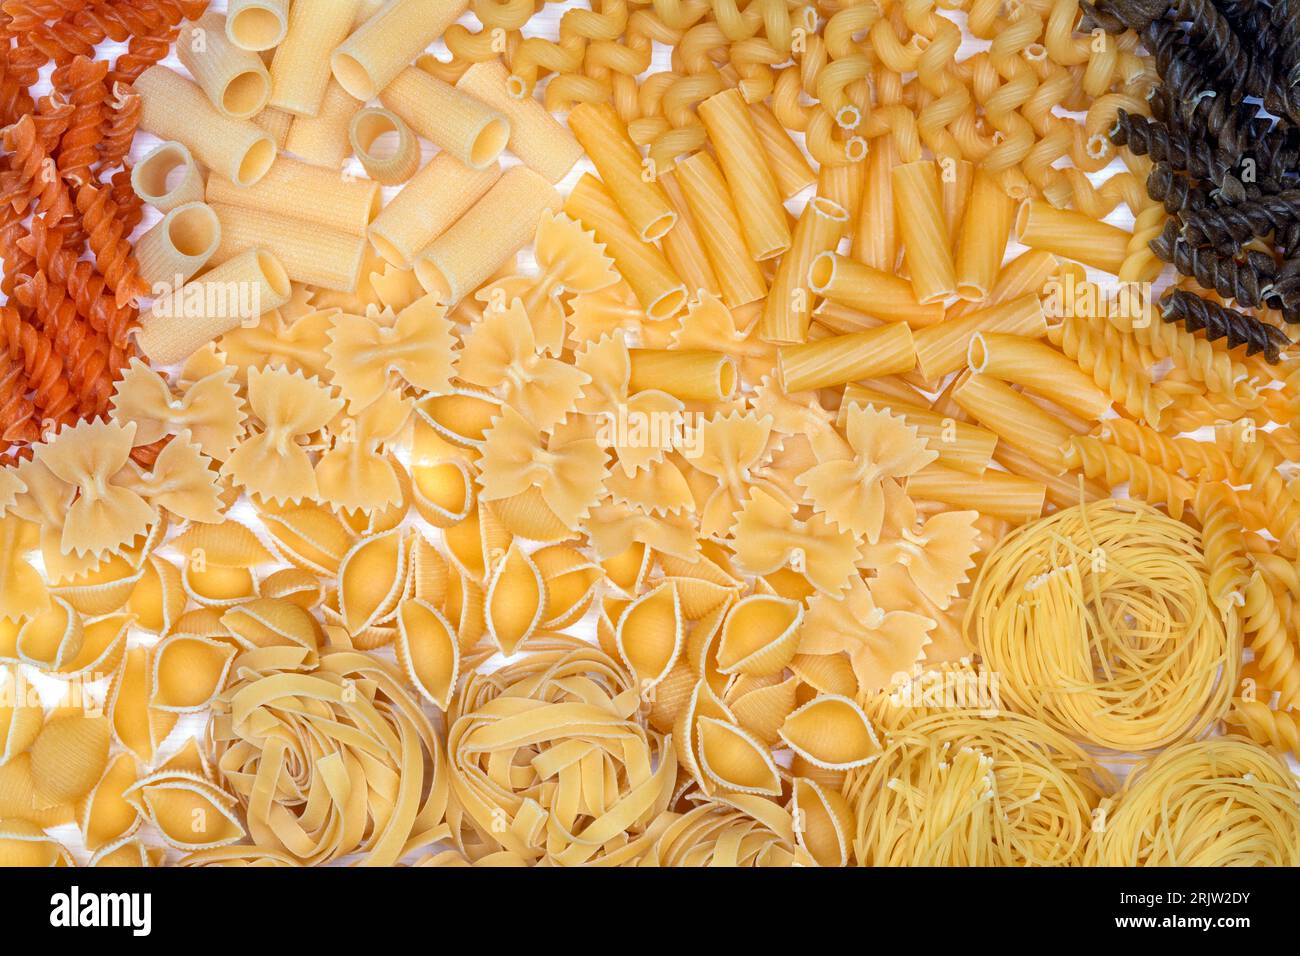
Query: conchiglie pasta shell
x,y
293,585
127,852
368,638
736,760
826,673
21,715
461,417
267,622
372,578
24,844
68,757
102,646
628,571
215,585
701,702
158,598
190,814
428,651
477,542
669,696
465,608
189,672
760,635
103,590
700,597
51,638
762,710
135,725
828,779
443,491
516,598
310,538
528,515
106,816
831,732
227,545
702,647
572,582
18,796
190,758
651,634
823,822
427,580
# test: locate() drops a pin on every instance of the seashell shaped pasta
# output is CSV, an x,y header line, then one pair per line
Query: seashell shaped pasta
x,y
21,714
762,705
188,672
650,635
23,843
427,580
735,760
826,673
700,703
23,592
476,543
127,852
832,733
824,819
571,583
461,416
68,757
515,600
106,816
50,639
135,725
189,812
428,651
103,642
102,589
310,537
443,491
158,597
269,622
372,579
760,635
294,585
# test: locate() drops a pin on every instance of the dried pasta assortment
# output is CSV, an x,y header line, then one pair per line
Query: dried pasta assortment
x,y
780,510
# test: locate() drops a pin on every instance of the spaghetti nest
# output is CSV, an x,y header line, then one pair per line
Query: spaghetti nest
x,y
955,788
1098,621
1219,802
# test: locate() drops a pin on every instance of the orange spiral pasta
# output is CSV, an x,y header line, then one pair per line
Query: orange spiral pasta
x,y
18,420
85,355
82,82
113,255
89,288
120,123
41,364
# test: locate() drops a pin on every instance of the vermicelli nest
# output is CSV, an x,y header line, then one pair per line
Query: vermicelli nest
x,y
1099,623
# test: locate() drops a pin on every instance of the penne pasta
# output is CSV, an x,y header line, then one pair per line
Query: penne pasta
x,y
644,268
788,308
199,312
784,157
956,181
1072,235
257,25
491,231
310,253
982,241
322,140
942,348
467,128
150,177
178,245
740,281
171,107
1028,272
841,359
1064,490
875,241
236,80
683,246
754,193
300,73
386,44
1015,419
389,165
995,493
1037,366
426,206
622,170
918,207
884,295
536,137
842,185
304,192
693,375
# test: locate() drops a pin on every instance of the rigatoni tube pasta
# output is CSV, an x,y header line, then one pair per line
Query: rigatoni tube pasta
x,y
1016,420
305,192
322,140
431,201
982,240
918,206
309,252
1072,234
740,280
621,169
693,375
168,177
942,348
840,359
397,160
1037,366
172,107
179,244
300,69
873,291
467,128
383,46
494,229
188,318
257,25
788,308
236,80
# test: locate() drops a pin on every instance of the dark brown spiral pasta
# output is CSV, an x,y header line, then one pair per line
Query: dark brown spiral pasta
x,y
1178,191
1219,322
1247,280
1226,228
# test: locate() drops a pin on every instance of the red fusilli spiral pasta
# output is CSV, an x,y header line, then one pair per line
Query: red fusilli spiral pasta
x,y
86,360
82,81
113,255
41,365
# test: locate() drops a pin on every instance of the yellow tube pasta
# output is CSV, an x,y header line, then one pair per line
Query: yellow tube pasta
x,y
842,185
388,167
276,123
171,107
257,25
918,206
309,252
740,280
942,348
682,245
840,359
479,243
875,241
882,294
1039,367
784,157
322,140
301,191
300,70
1031,271
235,79
983,238
150,176
693,375
467,128
199,312
754,193
1016,420
788,308
619,163
385,45
1072,235
1062,489
179,245
660,292
956,182
426,206
536,137
995,493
